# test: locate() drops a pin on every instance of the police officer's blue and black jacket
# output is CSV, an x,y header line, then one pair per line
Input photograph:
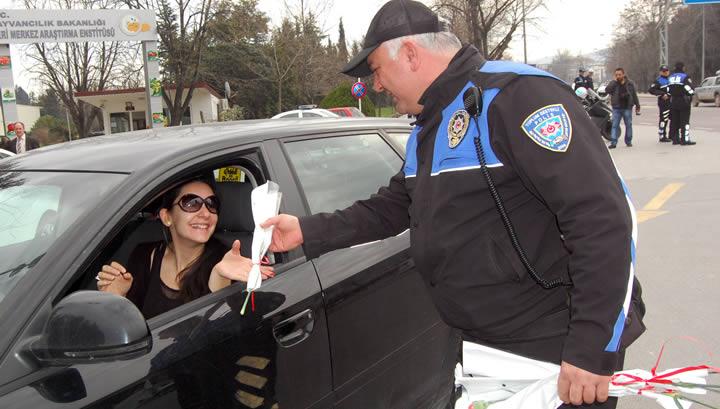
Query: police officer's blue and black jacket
x,y
660,87
681,90
560,187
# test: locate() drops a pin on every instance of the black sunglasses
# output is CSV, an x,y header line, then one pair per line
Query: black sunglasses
x,y
192,203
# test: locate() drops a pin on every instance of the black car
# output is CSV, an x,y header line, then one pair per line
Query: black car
x,y
354,328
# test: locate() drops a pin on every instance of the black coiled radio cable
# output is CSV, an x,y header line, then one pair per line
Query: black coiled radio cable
x,y
472,100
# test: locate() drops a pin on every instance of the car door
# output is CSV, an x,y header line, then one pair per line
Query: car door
x,y
390,349
204,354
703,91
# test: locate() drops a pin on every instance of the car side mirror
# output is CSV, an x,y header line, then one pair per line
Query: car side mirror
x,y
89,326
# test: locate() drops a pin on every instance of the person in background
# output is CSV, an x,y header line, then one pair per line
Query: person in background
x,y
580,80
22,142
623,97
589,79
681,93
660,88
162,276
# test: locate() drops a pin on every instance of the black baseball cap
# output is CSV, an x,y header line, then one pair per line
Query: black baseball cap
x,y
397,18
664,68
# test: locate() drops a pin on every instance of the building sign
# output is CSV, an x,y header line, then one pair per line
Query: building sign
x,y
63,26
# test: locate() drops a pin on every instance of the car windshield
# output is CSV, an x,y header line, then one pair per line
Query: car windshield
x,y
36,208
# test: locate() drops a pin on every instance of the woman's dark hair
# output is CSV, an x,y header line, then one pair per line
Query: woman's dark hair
x,y
194,278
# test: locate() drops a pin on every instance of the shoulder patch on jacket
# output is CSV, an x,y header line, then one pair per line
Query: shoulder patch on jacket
x,y
549,127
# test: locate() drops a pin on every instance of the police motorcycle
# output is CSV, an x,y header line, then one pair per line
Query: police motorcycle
x,y
599,111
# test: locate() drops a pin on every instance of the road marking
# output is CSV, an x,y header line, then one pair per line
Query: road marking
x,y
652,208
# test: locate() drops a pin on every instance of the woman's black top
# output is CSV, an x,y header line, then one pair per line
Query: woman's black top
x,y
148,292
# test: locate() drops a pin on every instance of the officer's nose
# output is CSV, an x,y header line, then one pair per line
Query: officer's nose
x,y
377,85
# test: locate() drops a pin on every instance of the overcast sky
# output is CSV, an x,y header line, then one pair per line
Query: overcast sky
x,y
581,26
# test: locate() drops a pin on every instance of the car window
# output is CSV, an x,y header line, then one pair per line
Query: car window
x,y
340,112
400,138
335,172
717,81
290,115
706,82
311,115
35,209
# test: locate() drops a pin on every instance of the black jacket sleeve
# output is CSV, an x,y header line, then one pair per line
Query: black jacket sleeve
x,y
383,215
610,87
583,189
655,89
633,89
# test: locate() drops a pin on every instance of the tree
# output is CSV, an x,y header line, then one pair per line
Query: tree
x,y
50,130
636,41
22,97
183,27
50,104
237,38
564,65
341,96
342,44
67,68
489,25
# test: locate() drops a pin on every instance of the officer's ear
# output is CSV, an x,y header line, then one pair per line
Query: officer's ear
x,y
411,54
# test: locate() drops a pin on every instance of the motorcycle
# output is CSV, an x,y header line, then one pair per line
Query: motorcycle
x,y
598,110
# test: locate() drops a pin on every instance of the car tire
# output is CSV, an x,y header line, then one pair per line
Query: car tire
x,y
717,100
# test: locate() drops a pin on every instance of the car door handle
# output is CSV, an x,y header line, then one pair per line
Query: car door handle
x,y
294,330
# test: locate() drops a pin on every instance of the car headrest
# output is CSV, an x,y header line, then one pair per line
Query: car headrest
x,y
235,206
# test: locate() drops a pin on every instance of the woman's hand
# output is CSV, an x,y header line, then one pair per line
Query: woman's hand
x,y
234,267
114,279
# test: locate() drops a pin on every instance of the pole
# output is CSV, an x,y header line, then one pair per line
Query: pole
x,y
702,64
359,99
524,34
67,118
667,32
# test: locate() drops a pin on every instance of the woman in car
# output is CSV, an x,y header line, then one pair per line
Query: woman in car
x,y
161,276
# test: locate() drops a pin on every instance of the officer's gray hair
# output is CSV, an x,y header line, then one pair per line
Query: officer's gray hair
x,y
442,42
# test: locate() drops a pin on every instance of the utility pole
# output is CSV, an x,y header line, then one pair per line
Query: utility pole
x,y
525,35
702,64
663,26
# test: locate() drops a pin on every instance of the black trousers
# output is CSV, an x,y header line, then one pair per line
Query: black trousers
x,y
680,125
543,340
663,119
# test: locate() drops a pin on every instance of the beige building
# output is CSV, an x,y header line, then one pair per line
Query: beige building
x,y
124,110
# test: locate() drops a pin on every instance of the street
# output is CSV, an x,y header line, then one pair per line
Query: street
x,y
676,192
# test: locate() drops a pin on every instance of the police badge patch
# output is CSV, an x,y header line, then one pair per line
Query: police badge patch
x,y
457,127
549,127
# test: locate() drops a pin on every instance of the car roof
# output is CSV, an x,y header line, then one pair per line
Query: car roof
x,y
131,151
328,113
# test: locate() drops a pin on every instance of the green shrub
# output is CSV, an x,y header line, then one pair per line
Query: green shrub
x,y
49,130
341,96
235,113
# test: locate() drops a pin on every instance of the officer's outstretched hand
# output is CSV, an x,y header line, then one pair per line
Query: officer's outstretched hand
x,y
576,385
286,235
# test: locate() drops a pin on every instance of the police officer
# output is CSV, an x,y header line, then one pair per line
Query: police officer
x,y
580,80
559,186
660,88
681,93
589,79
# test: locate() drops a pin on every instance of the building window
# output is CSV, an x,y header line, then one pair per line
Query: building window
x,y
119,122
